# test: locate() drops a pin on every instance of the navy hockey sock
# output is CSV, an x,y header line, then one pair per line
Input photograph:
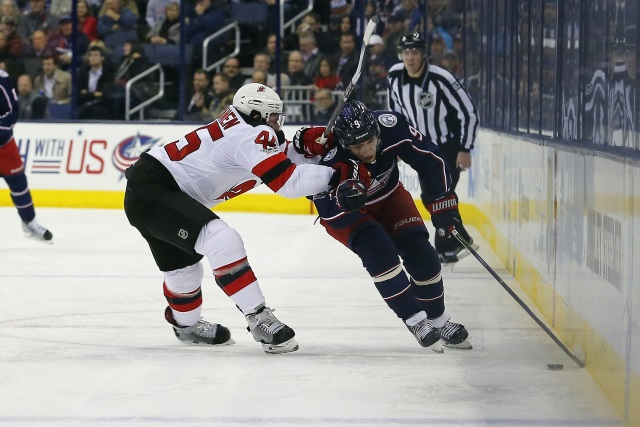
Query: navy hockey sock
x,y
21,196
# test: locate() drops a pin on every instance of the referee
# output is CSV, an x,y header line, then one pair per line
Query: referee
x,y
434,102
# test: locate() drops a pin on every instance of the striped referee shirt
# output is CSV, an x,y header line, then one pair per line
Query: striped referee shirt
x,y
436,104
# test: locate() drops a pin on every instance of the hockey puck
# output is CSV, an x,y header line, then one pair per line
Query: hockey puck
x,y
555,366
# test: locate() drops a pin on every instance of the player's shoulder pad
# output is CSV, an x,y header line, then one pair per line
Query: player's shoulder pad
x,y
389,119
335,155
393,127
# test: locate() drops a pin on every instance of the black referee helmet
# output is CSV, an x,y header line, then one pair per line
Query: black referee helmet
x,y
412,41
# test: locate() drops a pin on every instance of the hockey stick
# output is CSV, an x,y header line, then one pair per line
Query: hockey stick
x,y
544,327
370,28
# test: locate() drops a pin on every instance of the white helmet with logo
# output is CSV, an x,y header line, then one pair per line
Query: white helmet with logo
x,y
258,97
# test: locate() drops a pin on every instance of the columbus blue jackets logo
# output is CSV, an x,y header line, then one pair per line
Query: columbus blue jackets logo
x,y
388,120
128,151
426,100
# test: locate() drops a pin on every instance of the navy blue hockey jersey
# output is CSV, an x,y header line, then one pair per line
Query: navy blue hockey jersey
x,y
399,140
8,107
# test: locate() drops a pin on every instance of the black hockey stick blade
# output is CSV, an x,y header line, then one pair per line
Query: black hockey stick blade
x,y
368,32
544,327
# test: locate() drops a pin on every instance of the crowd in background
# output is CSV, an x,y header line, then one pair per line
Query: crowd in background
x,y
113,37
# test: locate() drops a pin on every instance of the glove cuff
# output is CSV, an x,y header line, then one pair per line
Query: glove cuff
x,y
446,203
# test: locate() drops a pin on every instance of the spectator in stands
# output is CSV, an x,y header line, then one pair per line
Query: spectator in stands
x,y
106,52
375,84
348,57
327,77
295,70
261,61
410,11
132,5
323,106
14,41
9,9
449,60
203,20
310,54
55,84
156,11
61,44
93,81
37,19
259,76
134,62
167,29
32,105
271,50
116,26
231,68
38,46
222,96
87,23
327,43
201,97
376,50
437,47
396,28
346,26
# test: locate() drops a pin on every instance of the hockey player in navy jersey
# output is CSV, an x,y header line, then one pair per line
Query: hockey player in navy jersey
x,y
389,232
11,165
172,188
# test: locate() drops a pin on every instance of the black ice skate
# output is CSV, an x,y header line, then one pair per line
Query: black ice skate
x,y
275,336
423,330
454,335
451,257
33,230
202,332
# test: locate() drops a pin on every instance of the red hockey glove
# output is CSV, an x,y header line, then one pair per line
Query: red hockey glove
x,y
306,142
444,214
349,185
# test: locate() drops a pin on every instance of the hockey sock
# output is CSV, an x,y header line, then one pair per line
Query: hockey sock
x,y
240,284
423,265
223,247
379,257
21,196
182,291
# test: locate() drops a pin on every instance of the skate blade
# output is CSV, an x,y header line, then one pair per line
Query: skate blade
x,y
464,345
437,347
286,347
229,342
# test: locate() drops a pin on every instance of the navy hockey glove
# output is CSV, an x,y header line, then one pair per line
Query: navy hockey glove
x,y
444,214
349,184
306,142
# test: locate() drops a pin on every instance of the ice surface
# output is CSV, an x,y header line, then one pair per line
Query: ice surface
x,y
83,341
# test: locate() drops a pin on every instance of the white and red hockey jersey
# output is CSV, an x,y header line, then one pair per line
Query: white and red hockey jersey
x,y
229,157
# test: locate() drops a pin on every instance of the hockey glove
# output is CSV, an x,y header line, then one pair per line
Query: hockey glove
x,y
349,185
444,215
306,142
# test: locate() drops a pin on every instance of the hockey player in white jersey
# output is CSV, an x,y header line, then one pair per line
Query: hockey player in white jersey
x,y
169,196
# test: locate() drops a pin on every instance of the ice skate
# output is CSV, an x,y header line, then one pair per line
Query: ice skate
x,y
454,335
202,332
275,336
33,230
423,330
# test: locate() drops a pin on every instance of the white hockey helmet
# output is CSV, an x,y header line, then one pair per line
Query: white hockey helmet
x,y
258,97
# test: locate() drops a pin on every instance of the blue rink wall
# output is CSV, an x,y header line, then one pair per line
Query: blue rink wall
x,y
565,222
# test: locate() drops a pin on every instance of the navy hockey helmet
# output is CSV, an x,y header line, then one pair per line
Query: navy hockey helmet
x,y
355,124
412,41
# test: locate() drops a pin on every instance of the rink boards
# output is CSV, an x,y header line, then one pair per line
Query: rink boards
x,y
564,221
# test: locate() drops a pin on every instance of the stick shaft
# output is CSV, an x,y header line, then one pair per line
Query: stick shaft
x,y
544,327
368,32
